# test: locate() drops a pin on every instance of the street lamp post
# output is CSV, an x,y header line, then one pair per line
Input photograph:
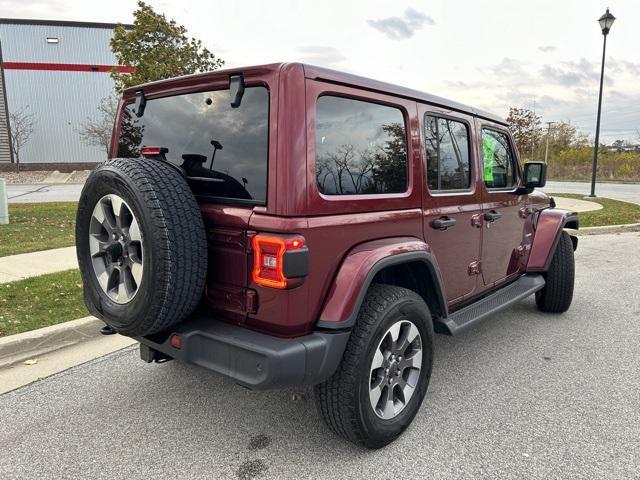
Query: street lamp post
x,y
605,22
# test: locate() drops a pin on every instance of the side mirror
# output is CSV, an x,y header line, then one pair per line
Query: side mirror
x,y
535,174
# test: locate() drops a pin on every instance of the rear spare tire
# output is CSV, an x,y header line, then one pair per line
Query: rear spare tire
x,y
141,246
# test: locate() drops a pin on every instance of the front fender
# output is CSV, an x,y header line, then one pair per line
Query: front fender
x,y
549,226
359,268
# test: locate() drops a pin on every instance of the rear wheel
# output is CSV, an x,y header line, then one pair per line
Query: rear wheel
x,y
141,246
380,384
557,294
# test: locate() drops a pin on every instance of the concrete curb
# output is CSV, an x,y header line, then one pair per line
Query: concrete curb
x,y
627,227
22,346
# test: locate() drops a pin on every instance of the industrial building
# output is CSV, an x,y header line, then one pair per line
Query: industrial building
x,y
57,71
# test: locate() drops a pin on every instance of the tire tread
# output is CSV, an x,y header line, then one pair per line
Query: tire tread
x,y
336,398
557,294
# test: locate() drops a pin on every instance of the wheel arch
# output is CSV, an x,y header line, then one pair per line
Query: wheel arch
x,y
549,225
404,262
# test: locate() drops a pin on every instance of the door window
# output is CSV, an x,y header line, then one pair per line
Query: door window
x,y
447,147
499,169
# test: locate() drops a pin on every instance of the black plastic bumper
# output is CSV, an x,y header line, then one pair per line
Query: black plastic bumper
x,y
253,359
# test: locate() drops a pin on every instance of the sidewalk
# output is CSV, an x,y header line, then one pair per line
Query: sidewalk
x,y
26,265
576,205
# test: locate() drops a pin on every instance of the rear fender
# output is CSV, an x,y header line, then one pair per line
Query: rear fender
x,y
358,270
549,226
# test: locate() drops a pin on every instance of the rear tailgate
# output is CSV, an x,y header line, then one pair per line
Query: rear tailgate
x,y
228,270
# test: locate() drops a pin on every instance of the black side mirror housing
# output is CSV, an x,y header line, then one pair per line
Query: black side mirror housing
x,y
535,174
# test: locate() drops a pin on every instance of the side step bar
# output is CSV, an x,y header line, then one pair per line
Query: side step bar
x,y
503,298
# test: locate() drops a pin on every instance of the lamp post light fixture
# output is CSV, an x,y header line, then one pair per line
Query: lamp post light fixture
x,y
605,21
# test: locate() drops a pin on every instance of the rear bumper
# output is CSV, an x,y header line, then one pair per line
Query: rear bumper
x,y
252,359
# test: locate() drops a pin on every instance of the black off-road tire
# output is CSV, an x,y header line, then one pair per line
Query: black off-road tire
x,y
343,400
175,248
557,294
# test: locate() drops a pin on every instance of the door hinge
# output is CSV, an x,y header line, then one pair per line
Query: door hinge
x,y
251,301
474,268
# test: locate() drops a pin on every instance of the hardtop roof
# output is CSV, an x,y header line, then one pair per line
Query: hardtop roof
x,y
342,78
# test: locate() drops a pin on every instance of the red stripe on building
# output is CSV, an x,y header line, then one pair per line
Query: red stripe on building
x,y
66,67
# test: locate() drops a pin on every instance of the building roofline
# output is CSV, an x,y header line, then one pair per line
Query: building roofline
x,y
62,23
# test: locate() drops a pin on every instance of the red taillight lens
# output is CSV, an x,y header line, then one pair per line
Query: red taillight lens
x,y
150,151
269,259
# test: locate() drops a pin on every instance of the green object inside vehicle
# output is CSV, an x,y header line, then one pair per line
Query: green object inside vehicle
x,y
488,154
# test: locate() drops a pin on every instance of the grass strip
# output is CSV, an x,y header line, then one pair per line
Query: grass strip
x,y
614,212
41,301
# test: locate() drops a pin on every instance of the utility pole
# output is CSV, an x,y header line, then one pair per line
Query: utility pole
x,y
546,147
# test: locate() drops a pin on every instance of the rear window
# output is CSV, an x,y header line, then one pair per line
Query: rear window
x,y
360,147
223,150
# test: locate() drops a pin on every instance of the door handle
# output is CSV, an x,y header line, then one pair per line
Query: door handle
x,y
492,216
443,223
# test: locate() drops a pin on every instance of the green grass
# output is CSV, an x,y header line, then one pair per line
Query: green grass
x,y
38,226
41,301
614,212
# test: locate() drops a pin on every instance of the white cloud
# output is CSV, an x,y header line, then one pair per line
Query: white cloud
x,y
488,54
397,28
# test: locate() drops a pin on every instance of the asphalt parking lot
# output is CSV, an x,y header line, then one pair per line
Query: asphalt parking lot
x,y
522,395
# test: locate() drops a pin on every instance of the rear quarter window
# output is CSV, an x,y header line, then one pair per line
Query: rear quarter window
x,y
361,147
222,150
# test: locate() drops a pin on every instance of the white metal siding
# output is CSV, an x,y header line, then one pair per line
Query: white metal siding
x,y
61,101
28,43
5,147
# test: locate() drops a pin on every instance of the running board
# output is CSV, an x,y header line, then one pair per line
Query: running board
x,y
498,300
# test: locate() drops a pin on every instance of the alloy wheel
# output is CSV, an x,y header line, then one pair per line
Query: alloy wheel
x,y
395,369
116,248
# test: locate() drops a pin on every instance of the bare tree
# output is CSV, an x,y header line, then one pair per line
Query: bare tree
x,y
22,124
97,131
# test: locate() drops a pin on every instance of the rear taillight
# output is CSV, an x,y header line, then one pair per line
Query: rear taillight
x,y
279,261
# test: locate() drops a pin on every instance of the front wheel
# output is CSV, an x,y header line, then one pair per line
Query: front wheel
x,y
557,294
380,384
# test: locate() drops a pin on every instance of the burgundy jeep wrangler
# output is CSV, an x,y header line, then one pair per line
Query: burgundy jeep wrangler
x,y
291,225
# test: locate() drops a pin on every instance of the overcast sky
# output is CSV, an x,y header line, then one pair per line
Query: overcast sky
x,y
490,54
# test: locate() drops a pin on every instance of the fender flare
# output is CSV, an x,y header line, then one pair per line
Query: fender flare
x,y
358,269
549,226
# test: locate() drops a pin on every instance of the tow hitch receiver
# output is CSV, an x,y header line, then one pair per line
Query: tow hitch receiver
x,y
150,355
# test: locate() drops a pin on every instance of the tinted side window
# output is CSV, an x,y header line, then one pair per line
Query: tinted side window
x,y
498,160
447,145
360,147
